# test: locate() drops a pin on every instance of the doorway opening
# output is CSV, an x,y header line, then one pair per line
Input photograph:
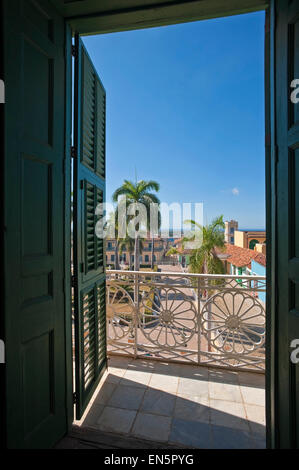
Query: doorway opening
x,y
198,134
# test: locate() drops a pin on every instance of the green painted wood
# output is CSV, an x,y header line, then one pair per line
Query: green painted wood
x,y
67,219
34,220
2,271
89,191
286,155
270,181
92,16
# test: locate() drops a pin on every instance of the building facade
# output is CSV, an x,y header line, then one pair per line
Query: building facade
x,y
230,227
126,257
249,238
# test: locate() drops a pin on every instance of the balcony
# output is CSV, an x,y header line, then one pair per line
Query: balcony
x,y
186,361
198,319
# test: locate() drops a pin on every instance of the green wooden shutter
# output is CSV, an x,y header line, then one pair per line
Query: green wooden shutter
x,y
89,190
283,286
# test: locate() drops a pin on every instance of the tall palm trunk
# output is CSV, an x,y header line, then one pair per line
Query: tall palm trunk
x,y
130,260
136,254
116,264
153,250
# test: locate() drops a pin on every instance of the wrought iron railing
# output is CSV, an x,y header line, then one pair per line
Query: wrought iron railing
x,y
203,319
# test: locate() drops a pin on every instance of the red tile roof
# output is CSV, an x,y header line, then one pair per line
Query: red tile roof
x,y
240,257
235,255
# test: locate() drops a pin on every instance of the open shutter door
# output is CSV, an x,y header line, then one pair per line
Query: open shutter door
x,y
89,190
285,233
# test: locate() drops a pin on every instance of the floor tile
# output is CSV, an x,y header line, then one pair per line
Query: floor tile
x,y
158,402
259,443
191,434
126,397
153,427
255,414
193,387
186,371
104,393
116,420
92,416
229,414
223,376
139,365
227,438
252,380
114,375
119,361
253,395
166,383
225,391
192,408
257,420
135,378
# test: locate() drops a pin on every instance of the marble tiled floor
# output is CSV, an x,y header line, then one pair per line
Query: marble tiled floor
x,y
178,404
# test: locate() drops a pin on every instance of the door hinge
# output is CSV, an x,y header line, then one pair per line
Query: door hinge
x,y
74,51
73,152
75,397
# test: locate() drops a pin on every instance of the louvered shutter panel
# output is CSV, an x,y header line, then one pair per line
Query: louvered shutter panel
x,y
89,191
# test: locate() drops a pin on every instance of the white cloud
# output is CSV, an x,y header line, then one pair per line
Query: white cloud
x,y
235,191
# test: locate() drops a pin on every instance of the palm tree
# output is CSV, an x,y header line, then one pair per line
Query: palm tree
x,y
111,224
205,259
139,192
153,241
127,244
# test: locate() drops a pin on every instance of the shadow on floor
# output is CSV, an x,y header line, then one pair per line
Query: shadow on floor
x,y
147,404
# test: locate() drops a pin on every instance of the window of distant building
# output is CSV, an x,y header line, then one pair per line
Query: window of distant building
x,y
232,239
146,259
232,230
109,246
112,257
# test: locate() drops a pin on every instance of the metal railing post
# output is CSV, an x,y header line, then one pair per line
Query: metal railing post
x,y
198,322
136,310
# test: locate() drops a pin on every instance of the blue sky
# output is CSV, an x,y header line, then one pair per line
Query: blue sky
x,y
185,107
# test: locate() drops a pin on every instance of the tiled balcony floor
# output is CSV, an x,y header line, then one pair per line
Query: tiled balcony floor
x,y
182,405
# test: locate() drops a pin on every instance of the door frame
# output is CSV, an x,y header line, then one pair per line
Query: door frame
x,y
120,22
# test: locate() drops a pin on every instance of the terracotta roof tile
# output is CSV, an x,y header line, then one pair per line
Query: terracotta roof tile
x,y
240,257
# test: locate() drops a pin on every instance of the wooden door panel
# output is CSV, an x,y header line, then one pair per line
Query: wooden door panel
x,y
287,140
34,213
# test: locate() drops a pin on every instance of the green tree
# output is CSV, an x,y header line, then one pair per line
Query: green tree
x,y
205,259
112,227
140,192
128,244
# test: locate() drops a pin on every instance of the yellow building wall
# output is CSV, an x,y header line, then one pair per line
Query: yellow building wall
x,y
240,238
243,239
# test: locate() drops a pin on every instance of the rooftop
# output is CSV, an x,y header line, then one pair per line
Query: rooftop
x,y
240,257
